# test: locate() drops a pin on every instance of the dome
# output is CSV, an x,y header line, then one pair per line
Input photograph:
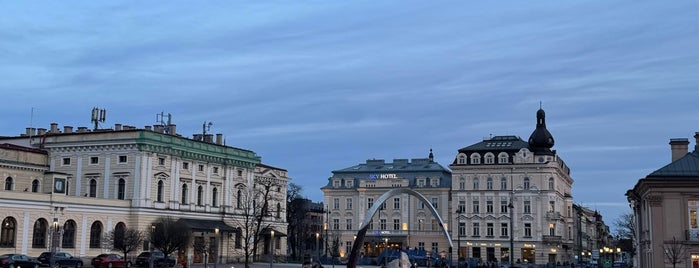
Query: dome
x,y
541,139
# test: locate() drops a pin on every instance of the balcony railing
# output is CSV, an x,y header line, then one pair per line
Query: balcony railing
x,y
552,239
553,215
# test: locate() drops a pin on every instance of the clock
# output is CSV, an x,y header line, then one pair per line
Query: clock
x,y
59,185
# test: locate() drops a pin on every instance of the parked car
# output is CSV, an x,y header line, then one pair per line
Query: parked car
x,y
18,261
143,259
110,261
60,259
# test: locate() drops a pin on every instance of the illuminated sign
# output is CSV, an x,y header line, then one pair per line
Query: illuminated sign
x,y
382,176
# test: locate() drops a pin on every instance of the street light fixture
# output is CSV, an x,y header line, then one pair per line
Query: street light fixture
x,y
215,247
152,235
317,247
271,248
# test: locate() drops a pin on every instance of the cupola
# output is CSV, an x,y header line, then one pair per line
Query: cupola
x,y
541,139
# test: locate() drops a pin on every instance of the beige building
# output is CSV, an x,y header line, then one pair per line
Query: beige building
x,y
511,196
89,182
665,205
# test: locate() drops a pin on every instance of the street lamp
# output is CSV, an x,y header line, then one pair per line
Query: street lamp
x,y
511,207
317,247
216,247
271,248
54,241
152,235
458,236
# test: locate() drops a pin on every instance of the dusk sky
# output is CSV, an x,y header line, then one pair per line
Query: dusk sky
x,y
317,86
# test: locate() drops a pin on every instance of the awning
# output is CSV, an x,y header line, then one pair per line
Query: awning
x,y
268,232
208,225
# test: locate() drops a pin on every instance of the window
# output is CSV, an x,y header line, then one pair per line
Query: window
x,y
238,238
185,165
39,233
421,246
420,205
161,161
94,160
119,231
552,206
121,189
476,206
462,229
123,159
369,202
336,224
396,224
215,170
462,184
238,199
527,230
279,210
489,229
8,234
693,206
503,183
336,203
489,183
503,206
96,235
502,158
66,161
396,203
434,182
348,224
183,197
435,247
526,183
214,197
462,160
462,206
475,184
349,183
551,184
421,183
35,186
159,193
348,203
336,183
489,158
200,196
8,184
489,206
240,173
476,229
552,229
527,207
435,201
420,225
503,229
68,240
475,159
93,188
382,224
201,167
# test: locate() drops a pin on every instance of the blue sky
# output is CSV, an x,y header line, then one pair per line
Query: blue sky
x,y
315,86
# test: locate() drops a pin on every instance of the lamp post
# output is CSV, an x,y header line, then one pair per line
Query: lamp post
x,y
54,234
458,236
511,207
215,247
152,234
271,248
317,247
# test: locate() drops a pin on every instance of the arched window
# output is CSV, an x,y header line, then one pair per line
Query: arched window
x,y
526,183
121,189
200,195
119,233
35,186
8,233
489,158
8,184
39,233
475,159
489,183
475,184
93,188
279,210
462,159
551,185
68,240
462,184
96,235
184,194
159,194
503,183
237,200
503,158
214,197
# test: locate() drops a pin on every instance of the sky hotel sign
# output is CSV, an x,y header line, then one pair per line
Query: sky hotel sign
x,y
382,176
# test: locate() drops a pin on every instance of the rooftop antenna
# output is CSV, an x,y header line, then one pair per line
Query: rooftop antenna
x,y
98,115
206,127
160,118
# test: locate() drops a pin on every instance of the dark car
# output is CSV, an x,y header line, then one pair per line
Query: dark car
x,y
110,261
18,261
59,259
143,259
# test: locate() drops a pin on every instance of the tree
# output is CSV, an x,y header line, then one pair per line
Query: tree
x,y
169,235
626,229
201,246
256,213
675,251
124,240
334,238
295,215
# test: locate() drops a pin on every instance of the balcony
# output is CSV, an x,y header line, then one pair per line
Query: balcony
x,y
553,215
552,239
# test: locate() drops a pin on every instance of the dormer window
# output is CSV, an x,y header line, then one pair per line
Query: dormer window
x,y
462,159
421,183
489,158
475,159
336,183
349,183
503,158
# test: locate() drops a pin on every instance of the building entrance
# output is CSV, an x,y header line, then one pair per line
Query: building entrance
x,y
528,255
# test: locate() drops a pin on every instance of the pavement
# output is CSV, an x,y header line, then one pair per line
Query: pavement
x,y
274,265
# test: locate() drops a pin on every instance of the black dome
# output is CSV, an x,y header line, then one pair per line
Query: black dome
x,y
541,139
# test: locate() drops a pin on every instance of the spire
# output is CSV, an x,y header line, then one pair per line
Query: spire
x,y
431,157
541,139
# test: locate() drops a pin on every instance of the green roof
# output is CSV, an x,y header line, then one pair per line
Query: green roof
x,y
686,166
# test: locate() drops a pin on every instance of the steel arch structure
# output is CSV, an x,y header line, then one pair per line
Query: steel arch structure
x,y
356,246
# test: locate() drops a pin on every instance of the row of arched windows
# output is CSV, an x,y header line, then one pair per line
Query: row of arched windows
x,y
10,184
526,183
42,230
488,158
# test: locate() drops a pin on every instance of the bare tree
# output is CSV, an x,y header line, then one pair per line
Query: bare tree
x,y
169,236
257,211
201,246
295,215
675,251
124,240
626,229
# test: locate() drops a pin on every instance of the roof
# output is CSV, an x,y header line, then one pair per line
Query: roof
x,y
502,143
398,166
686,166
207,225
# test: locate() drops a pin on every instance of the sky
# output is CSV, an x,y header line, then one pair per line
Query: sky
x,y
317,86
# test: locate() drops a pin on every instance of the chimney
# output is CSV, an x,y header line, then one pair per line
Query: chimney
x,y
54,128
219,139
41,131
67,129
82,129
148,128
696,142
117,127
173,129
30,131
159,128
197,137
209,138
679,147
